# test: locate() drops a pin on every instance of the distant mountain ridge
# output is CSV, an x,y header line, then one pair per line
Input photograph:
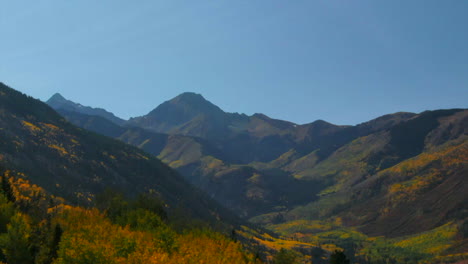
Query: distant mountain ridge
x,y
243,139
57,101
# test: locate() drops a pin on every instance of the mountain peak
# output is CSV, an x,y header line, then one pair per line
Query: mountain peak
x,y
185,112
320,122
58,101
190,94
189,103
57,96
260,115
189,98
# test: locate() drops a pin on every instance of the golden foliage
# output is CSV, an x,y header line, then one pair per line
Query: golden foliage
x,y
23,190
50,126
415,176
91,238
30,126
431,242
61,150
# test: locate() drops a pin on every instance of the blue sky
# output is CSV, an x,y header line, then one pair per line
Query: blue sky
x,y
341,61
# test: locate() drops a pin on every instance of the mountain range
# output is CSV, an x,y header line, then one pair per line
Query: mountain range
x,y
69,195
390,190
77,164
396,176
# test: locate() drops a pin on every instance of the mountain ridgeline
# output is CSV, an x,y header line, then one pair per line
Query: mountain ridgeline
x,y
369,177
390,190
78,165
57,101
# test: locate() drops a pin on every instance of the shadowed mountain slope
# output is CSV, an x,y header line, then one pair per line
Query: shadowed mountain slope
x,y
77,164
314,160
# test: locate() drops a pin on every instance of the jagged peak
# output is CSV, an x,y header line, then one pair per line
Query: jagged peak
x,y
319,123
56,97
57,101
189,98
261,116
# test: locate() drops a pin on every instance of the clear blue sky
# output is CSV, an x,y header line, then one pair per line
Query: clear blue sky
x,y
300,60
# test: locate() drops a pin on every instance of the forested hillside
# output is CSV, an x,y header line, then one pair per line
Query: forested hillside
x,y
36,227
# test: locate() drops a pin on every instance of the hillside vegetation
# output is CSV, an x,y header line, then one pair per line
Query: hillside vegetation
x,y
36,227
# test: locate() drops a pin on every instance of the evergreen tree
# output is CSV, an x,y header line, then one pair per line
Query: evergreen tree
x,y
285,257
6,188
338,257
234,235
56,237
15,244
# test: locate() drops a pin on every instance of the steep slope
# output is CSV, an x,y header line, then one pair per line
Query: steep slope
x,y
241,138
433,182
414,206
322,159
391,202
78,164
187,114
244,139
241,188
258,138
362,160
175,150
57,101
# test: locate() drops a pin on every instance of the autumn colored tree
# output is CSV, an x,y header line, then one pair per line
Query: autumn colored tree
x,y
45,230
